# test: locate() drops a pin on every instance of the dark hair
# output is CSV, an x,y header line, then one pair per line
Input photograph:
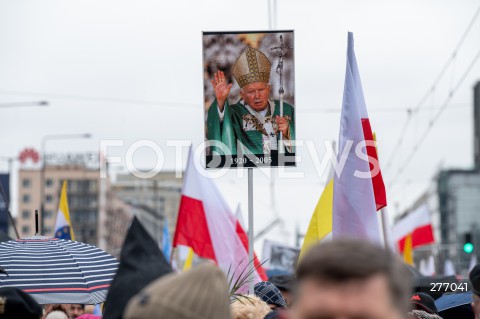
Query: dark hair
x,y
346,259
58,307
79,304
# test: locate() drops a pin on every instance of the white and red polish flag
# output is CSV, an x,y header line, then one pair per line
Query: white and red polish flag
x,y
356,198
207,225
417,225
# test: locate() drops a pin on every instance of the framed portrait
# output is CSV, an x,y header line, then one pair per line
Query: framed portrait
x,y
249,98
278,256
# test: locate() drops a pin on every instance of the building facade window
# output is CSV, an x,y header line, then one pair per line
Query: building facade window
x,y
49,198
26,198
26,230
49,182
26,183
47,214
26,214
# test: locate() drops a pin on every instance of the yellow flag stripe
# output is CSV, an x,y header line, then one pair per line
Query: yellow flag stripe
x,y
321,222
188,262
63,207
408,250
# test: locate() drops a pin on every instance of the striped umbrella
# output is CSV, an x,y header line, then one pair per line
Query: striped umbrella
x,y
55,270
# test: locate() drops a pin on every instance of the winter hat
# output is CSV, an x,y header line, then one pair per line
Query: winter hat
x,y
56,314
283,282
200,293
269,293
423,301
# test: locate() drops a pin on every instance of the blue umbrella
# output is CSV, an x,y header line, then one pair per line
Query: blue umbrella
x,y
55,270
455,305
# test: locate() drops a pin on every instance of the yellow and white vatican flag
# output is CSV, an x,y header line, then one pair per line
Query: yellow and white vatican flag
x,y
321,223
63,225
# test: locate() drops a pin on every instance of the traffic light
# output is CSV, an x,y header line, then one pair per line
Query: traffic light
x,y
468,244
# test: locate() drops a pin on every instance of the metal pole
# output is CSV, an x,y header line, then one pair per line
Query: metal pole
x,y
10,170
12,221
36,222
42,185
250,227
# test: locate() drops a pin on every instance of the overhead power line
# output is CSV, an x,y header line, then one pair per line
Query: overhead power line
x,y
434,120
431,89
192,105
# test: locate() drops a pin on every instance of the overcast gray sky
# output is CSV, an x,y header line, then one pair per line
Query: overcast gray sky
x,y
96,61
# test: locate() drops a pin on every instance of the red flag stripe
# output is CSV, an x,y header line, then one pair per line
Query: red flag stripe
x,y
192,228
244,238
377,180
420,236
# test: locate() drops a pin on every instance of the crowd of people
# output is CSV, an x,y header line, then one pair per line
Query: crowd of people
x,y
341,279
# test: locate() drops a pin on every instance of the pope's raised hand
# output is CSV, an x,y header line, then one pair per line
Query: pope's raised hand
x,y
221,88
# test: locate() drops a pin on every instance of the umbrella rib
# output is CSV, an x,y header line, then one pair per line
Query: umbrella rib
x,y
80,269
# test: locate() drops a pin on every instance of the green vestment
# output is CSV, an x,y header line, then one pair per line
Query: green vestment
x,y
240,124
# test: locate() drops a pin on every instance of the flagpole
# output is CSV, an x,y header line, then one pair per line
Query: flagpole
x,y
250,227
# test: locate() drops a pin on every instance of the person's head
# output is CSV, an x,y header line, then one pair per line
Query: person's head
x,y
52,307
476,305
198,293
14,303
75,310
251,70
474,277
56,314
256,95
270,294
249,307
351,279
424,302
89,309
286,285
55,307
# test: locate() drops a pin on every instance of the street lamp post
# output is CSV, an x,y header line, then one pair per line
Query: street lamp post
x,y
42,172
24,104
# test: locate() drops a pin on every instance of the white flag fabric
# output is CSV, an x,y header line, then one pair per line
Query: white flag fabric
x,y
239,215
431,266
422,267
207,225
449,269
473,262
354,203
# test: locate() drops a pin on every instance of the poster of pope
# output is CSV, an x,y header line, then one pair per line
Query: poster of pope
x,y
249,97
